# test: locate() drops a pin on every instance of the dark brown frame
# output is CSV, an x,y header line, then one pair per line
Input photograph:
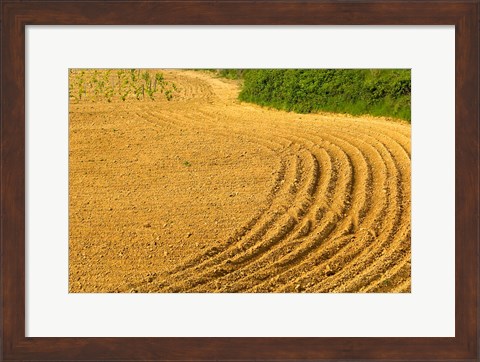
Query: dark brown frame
x,y
464,14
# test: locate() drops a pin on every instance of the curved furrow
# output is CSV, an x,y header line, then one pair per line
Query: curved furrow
x,y
403,287
361,205
398,271
288,221
398,128
333,210
402,154
393,130
401,158
367,226
276,210
402,140
389,223
298,246
346,268
400,233
404,144
375,266
395,240
242,265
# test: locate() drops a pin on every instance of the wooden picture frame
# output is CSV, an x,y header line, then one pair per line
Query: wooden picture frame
x,y
17,14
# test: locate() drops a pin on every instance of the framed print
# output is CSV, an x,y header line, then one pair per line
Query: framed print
x,y
239,180
121,237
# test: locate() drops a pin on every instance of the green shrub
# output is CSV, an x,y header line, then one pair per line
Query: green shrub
x,y
378,92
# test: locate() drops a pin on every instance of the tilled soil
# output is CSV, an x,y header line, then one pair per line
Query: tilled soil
x,y
204,193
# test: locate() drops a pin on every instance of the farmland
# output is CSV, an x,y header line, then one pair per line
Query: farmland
x,y
176,185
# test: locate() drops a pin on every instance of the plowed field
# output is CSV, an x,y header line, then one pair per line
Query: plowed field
x,y
204,193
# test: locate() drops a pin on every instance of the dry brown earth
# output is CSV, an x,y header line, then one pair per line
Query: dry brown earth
x,y
204,193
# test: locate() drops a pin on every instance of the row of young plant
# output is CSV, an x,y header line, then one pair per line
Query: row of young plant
x,y
118,85
378,92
